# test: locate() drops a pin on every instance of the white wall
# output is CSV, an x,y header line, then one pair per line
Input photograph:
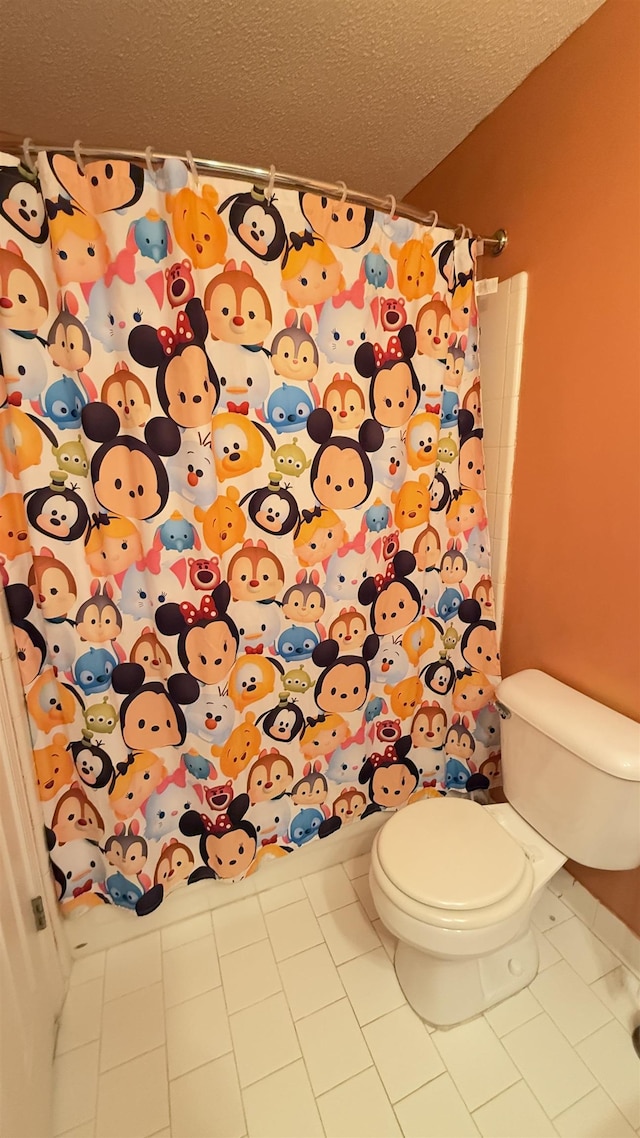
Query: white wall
x,y
502,319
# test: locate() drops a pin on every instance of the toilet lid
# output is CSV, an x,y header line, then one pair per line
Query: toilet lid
x,y
451,854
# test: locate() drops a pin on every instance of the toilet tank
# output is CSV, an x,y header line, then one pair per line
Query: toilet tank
x,y
571,768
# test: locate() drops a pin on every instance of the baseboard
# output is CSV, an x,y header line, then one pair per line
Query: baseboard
x,y
108,926
605,925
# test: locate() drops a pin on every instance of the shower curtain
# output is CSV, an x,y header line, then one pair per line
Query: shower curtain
x,y
243,533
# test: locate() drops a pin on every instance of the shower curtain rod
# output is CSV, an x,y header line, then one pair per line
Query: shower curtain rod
x,y
494,244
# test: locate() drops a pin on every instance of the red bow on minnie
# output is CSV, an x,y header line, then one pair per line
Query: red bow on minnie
x,y
207,609
387,756
182,335
393,351
221,825
239,408
381,580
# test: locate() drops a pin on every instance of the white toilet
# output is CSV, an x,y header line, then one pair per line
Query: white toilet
x,y
455,881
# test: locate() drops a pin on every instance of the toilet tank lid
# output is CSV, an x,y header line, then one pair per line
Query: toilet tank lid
x,y
595,733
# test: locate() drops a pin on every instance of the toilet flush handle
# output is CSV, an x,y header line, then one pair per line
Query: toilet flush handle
x,y
502,710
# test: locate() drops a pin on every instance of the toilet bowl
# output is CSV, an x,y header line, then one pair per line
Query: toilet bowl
x,y
456,881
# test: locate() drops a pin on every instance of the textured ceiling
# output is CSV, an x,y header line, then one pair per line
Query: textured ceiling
x,y
371,91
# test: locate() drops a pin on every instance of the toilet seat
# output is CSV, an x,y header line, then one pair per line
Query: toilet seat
x,y
447,863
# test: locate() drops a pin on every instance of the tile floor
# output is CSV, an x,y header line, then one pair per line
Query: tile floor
x,y
280,1015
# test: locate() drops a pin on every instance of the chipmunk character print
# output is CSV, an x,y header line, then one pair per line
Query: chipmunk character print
x,y
243,522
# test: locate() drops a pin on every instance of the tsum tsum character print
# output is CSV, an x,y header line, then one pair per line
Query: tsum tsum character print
x,y
346,569
296,681
255,573
477,548
223,522
72,457
482,592
294,352
322,735
271,818
377,517
126,849
471,402
320,533
164,807
256,222
312,789
459,740
128,475
136,778
273,508
196,764
204,573
228,843
391,663
290,459
490,769
258,624
21,203
394,599
211,717
416,270
123,892
345,402
457,775
412,503
68,342
390,463
427,549
447,449
439,676
374,709
346,808
177,534
448,604
179,283
304,601
100,718
127,395
101,185
429,726
174,865
119,302
341,223
237,444
288,409
207,636
471,453
186,380
51,703
98,619
349,629
487,728
198,230
418,639
464,312
387,731
93,669
53,767
454,565
78,866
219,797
31,646
78,243
76,817
253,677
243,374
141,594
112,545
92,764
450,407
440,492
284,722
343,685
344,323
405,696
479,643
377,270
56,511
305,825
241,747
151,236
270,776
341,473
297,643
449,637
423,434
390,775
466,512
345,762
237,306
433,328
394,390
311,273
472,691
63,402
454,367
24,304
151,715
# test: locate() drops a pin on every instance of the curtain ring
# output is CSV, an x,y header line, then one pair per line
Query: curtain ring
x,y
148,157
26,146
459,235
390,198
432,224
77,155
343,196
271,184
193,168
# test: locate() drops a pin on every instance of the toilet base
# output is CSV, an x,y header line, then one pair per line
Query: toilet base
x,y
446,992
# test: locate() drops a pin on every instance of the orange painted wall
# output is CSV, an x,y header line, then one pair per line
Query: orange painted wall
x,y
557,164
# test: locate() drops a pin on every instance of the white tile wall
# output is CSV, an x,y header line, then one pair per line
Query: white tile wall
x,y
502,320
